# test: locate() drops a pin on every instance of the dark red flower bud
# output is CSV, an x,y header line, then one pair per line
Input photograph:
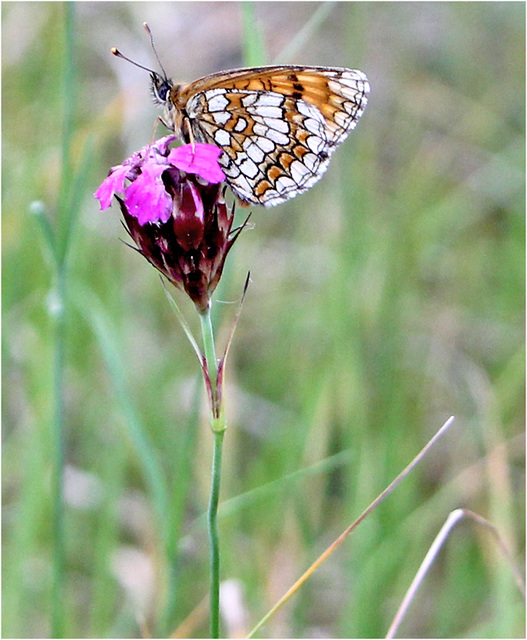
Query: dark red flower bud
x,y
178,219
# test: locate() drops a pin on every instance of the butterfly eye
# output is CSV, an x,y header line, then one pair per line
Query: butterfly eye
x,y
160,88
163,91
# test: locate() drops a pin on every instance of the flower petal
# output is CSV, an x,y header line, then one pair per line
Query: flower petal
x,y
198,158
113,183
189,218
146,198
161,145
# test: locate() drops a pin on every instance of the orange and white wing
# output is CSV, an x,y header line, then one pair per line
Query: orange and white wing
x,y
277,126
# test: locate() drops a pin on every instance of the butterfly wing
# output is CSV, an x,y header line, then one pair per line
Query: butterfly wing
x,y
277,126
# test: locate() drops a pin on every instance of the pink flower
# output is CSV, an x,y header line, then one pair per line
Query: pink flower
x,y
146,195
174,210
201,159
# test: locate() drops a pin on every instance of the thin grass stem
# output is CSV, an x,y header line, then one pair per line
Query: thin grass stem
x,y
68,101
57,599
57,304
332,547
454,517
212,519
106,336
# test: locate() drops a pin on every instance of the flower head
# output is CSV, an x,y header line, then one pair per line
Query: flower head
x,y
174,210
146,196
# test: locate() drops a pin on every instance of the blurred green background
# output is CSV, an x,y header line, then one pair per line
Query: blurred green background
x,y
387,298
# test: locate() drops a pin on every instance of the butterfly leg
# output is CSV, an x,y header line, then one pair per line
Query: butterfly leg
x,y
187,133
165,124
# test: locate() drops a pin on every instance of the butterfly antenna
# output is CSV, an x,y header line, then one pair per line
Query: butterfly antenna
x,y
147,29
117,53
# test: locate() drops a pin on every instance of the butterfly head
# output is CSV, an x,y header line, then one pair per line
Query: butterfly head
x,y
161,87
164,92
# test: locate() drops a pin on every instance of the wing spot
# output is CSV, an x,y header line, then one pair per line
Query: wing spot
x,y
342,119
300,151
307,109
316,144
248,168
285,160
262,187
311,161
269,99
217,103
229,168
299,171
249,99
253,151
266,112
221,117
276,136
285,183
314,126
244,185
260,129
265,144
241,124
222,137
274,172
279,125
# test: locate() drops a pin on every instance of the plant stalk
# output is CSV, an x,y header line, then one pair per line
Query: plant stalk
x,y
212,517
218,426
209,349
57,309
57,616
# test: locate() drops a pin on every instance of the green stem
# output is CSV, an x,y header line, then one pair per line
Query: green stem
x,y
208,348
214,538
57,618
217,418
58,311
68,100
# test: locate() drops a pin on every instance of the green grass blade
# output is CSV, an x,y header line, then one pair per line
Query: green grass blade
x,y
135,430
305,34
253,39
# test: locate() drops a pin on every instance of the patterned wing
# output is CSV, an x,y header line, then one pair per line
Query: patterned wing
x,y
277,126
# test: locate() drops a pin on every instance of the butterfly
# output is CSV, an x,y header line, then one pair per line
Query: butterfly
x,y
276,125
